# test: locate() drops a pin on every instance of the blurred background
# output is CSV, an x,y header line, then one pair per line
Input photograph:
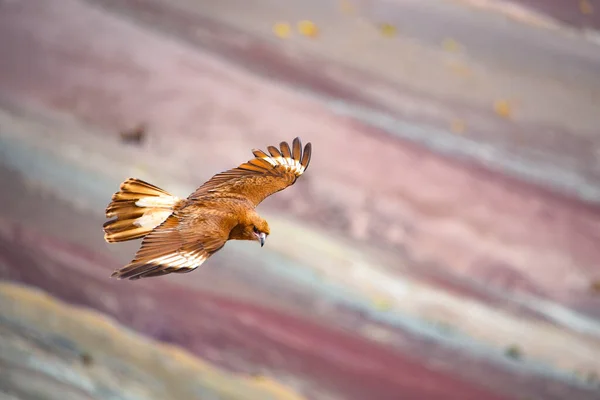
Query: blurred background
x,y
443,243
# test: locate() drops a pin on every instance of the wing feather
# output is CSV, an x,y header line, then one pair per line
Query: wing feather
x,y
297,149
306,156
259,162
262,176
259,154
274,151
286,153
249,166
173,247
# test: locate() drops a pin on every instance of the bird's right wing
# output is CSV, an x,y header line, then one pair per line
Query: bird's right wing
x,y
173,247
262,176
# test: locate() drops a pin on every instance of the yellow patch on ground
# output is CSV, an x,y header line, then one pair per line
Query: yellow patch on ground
x,y
458,126
382,304
308,28
452,45
347,7
503,108
586,7
282,30
387,30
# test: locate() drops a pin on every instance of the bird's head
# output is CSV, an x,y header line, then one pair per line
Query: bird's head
x,y
260,230
251,227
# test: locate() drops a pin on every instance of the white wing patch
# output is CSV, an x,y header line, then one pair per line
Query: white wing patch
x,y
180,261
157,201
288,162
152,218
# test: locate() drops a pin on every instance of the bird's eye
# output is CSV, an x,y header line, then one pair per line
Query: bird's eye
x,y
255,229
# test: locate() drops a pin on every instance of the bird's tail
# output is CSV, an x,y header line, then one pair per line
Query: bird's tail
x,y
139,207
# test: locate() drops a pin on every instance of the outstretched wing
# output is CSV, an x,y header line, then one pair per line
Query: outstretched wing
x,y
262,176
174,247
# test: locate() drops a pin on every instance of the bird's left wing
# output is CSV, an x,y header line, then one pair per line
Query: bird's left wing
x,y
262,176
174,247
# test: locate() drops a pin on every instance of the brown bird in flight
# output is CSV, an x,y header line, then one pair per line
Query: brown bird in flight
x,y
180,234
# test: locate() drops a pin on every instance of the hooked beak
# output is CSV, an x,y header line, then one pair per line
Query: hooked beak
x,y
261,238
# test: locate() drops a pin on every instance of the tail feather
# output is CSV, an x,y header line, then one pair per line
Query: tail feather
x,y
139,207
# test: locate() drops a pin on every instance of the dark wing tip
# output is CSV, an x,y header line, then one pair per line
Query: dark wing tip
x,y
294,152
136,272
258,153
285,150
116,274
274,151
297,149
306,156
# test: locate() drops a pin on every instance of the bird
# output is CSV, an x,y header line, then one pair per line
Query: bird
x,y
178,234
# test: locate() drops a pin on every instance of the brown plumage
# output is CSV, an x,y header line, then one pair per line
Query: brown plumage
x,y
180,234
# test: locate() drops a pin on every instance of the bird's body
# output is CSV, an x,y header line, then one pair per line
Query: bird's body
x,y
180,234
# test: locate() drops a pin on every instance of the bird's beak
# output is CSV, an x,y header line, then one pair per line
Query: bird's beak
x,y
261,238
